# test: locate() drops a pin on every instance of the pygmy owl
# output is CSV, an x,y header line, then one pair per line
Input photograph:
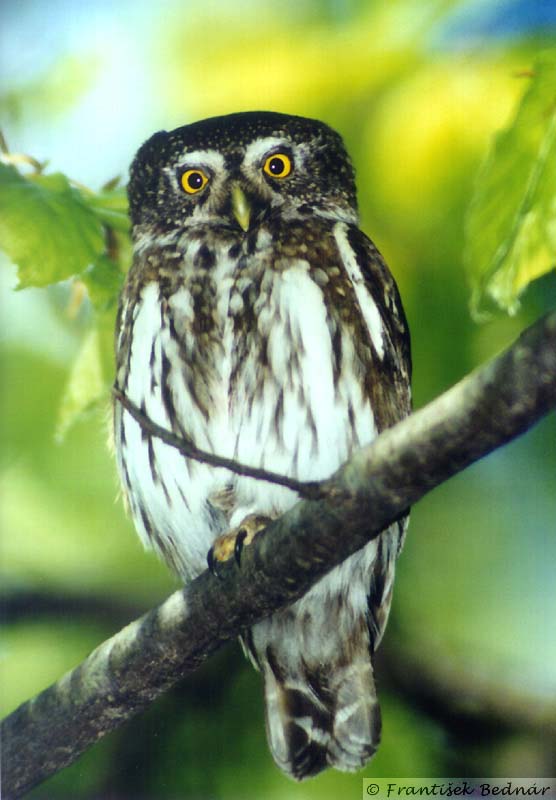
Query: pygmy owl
x,y
260,323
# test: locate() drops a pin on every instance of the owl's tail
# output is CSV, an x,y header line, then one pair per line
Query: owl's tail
x,y
322,718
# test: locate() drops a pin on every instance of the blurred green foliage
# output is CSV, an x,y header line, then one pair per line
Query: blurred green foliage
x,y
475,590
53,92
511,230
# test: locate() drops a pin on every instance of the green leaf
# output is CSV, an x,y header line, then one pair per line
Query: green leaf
x,y
86,386
111,208
511,225
46,227
103,281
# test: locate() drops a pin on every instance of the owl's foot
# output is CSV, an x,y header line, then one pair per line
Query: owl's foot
x,y
232,543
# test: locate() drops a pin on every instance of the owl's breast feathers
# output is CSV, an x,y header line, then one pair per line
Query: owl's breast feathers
x,y
223,291
284,349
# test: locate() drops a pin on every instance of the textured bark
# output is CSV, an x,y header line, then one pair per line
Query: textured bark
x,y
124,674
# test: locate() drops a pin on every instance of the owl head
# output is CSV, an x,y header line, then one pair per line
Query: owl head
x,y
237,170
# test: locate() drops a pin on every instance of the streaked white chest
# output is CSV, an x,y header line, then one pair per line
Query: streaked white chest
x,y
272,401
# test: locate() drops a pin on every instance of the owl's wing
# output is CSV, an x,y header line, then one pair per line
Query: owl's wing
x,y
391,403
393,369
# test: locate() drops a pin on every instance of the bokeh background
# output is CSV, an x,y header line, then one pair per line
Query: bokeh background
x,y
467,672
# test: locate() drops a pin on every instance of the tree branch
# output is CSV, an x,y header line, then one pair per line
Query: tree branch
x,y
124,674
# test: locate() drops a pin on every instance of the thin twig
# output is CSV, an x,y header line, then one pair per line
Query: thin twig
x,y
309,490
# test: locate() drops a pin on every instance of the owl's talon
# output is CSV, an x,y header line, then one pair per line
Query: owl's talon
x,y
212,564
239,544
232,543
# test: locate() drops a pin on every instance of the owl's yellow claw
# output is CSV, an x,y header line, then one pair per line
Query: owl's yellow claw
x,y
232,543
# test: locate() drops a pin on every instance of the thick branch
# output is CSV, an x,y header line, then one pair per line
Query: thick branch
x,y
124,674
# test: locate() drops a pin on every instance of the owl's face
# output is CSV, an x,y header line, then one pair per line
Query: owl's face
x,y
238,170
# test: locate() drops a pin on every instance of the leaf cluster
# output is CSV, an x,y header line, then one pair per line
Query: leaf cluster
x,y
56,230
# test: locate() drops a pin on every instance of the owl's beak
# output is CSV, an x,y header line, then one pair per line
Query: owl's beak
x,y
241,207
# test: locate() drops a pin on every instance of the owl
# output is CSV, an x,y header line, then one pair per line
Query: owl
x,y
260,323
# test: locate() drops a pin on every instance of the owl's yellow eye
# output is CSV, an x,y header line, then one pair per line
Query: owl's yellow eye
x,y
278,165
193,180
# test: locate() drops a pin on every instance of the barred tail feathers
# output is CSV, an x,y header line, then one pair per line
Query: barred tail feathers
x,y
315,721
316,658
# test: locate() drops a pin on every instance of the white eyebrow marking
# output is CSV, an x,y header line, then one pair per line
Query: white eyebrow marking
x,y
199,158
203,158
211,160
256,150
